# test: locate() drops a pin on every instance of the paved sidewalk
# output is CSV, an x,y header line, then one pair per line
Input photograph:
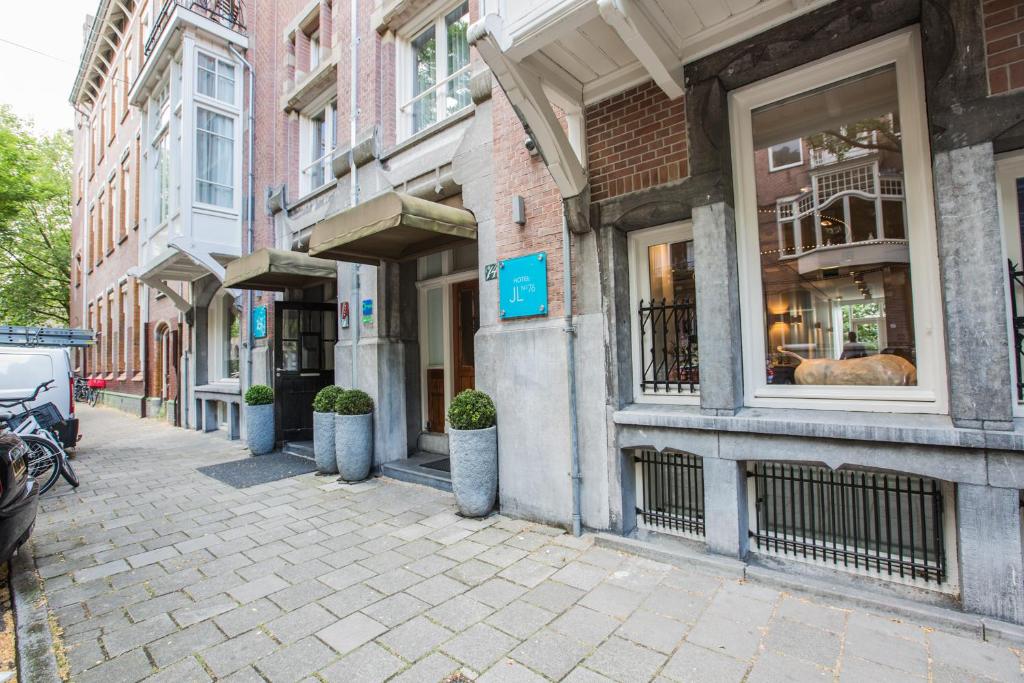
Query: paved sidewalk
x,y
157,572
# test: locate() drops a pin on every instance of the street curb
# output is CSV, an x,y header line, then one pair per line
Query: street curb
x,y
37,661
684,556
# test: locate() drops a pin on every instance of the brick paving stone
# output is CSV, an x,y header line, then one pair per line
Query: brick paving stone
x,y
694,664
349,600
804,642
165,603
294,661
473,572
414,638
135,635
739,640
554,596
396,609
434,667
153,556
581,575
813,614
502,555
126,668
211,607
586,625
369,664
527,572
234,654
520,619
653,631
612,600
189,670
773,667
676,603
550,653
101,571
437,589
459,613
974,658
431,565
247,617
181,644
886,649
299,623
510,671
479,646
857,670
393,581
300,594
346,576
496,592
625,661
349,633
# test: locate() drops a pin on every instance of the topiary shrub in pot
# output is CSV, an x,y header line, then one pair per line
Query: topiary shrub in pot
x,y
353,434
259,419
473,444
323,429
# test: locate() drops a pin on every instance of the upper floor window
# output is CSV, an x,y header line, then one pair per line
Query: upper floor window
x,y
215,150
786,155
437,84
215,78
320,134
314,50
838,267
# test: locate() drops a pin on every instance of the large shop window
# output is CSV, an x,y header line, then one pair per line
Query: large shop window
x,y
838,261
663,295
215,151
438,71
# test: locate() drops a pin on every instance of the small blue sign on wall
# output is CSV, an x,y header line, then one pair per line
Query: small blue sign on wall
x,y
523,286
259,322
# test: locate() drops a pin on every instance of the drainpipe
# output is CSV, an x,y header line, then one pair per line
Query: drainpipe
x,y
353,117
251,209
570,361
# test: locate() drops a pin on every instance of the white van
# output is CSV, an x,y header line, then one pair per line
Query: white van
x,y
22,369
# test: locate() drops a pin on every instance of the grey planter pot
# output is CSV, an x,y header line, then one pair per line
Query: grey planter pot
x,y
474,457
323,443
259,428
353,445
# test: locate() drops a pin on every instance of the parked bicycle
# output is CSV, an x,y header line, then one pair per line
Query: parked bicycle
x,y
47,458
85,391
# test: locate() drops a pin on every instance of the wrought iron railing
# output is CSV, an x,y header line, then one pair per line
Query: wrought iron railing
x,y
1016,274
228,13
882,523
670,491
668,347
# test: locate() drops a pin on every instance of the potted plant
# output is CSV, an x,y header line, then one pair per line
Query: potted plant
x,y
473,444
259,419
323,429
353,434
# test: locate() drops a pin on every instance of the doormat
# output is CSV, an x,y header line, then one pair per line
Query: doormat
x,y
442,465
260,469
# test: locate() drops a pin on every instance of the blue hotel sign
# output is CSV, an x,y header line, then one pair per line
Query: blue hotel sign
x,y
523,286
259,322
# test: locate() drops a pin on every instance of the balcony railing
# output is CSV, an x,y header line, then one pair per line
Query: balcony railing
x,y
227,13
668,347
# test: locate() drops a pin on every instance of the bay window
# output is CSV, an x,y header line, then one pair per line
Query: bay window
x,y
215,151
161,125
838,266
663,297
438,72
215,78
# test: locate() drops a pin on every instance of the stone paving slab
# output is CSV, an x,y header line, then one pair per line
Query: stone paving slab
x,y
156,572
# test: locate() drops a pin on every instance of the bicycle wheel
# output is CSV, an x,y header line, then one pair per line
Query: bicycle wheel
x,y
43,461
93,395
68,472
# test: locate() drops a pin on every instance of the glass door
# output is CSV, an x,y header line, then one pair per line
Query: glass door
x,y
305,334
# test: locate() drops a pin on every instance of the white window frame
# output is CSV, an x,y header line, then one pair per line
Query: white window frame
x,y
772,167
432,16
234,162
1009,167
314,50
901,50
640,288
218,61
328,106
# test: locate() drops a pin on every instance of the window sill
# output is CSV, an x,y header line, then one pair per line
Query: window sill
x,y
429,132
900,428
123,238
313,194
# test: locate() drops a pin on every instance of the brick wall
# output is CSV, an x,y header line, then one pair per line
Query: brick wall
x,y
635,140
1004,44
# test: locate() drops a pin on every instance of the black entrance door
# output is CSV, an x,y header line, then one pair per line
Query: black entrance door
x,y
305,335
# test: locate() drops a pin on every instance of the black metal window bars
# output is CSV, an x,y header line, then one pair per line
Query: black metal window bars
x,y
227,13
1016,274
873,521
671,491
668,346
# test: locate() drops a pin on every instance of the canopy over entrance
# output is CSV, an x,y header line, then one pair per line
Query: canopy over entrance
x,y
276,270
391,227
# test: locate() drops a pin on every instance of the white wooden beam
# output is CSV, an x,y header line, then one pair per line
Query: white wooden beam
x,y
642,35
525,91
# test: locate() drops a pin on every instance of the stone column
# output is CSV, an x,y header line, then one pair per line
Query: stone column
x,y
991,572
973,276
725,507
718,309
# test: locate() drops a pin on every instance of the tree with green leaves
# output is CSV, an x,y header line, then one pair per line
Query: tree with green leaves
x,y
35,224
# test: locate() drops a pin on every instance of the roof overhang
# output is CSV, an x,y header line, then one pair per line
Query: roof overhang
x,y
182,261
275,270
391,227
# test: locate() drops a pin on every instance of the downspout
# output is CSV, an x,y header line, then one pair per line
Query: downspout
x,y
251,210
353,117
570,361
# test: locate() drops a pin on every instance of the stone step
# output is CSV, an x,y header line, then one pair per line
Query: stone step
x,y
413,471
303,449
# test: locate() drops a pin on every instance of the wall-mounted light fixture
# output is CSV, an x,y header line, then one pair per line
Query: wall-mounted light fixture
x,y
519,210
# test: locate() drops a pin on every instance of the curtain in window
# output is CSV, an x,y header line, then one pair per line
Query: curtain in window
x,y
214,158
215,78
